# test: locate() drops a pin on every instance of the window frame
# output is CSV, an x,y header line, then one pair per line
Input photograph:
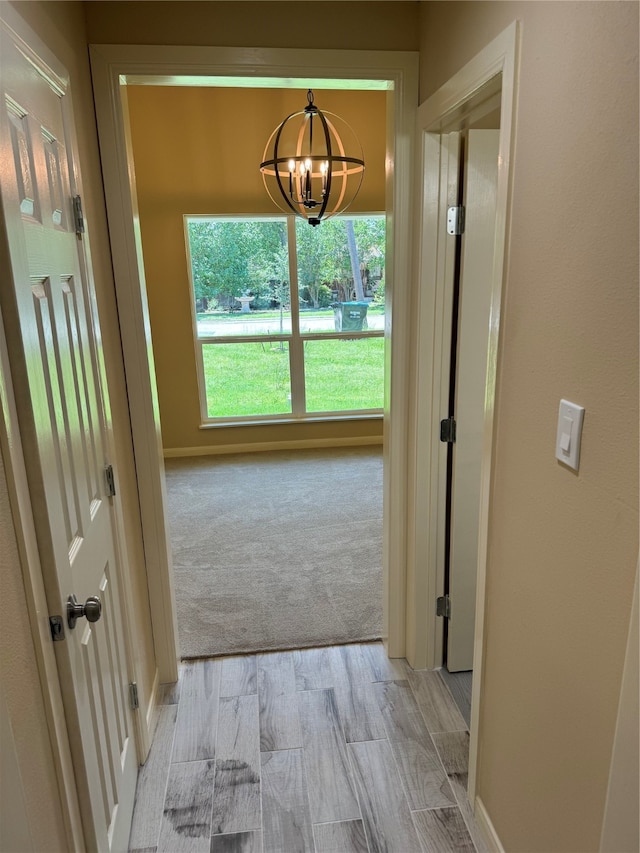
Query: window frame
x,y
295,339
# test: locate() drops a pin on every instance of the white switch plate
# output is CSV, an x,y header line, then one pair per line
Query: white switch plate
x,y
569,434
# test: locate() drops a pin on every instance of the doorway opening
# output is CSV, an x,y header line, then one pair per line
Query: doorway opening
x,y
288,554
116,68
477,169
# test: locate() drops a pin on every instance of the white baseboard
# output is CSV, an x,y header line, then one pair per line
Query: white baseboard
x,y
261,446
487,828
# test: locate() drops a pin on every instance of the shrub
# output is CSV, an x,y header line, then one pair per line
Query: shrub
x,y
324,296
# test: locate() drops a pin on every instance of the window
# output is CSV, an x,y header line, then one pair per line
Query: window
x,y
288,319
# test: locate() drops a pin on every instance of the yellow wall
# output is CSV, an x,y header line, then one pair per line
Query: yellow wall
x,y
196,151
563,547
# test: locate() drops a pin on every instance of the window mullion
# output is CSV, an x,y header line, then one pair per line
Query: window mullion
x,y
202,384
296,348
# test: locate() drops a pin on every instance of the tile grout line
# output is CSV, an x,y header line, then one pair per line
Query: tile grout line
x,y
415,827
351,760
303,752
461,810
351,773
435,808
331,822
395,761
304,767
393,755
457,799
257,720
215,751
444,769
364,823
435,746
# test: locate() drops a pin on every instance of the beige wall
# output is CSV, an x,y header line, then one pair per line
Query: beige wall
x,y
25,744
342,24
189,166
563,547
15,831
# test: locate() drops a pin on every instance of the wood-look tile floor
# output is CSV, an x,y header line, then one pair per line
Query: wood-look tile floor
x,y
329,750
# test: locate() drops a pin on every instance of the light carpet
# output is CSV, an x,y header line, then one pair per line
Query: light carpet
x,y
276,550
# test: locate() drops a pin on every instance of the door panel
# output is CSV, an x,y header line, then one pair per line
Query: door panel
x,y
53,341
480,177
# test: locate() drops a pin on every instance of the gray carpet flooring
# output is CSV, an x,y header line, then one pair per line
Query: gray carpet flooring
x,y
276,550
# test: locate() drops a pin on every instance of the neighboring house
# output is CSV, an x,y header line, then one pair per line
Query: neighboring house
x,y
562,550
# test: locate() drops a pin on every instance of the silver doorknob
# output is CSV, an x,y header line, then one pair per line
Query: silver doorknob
x,y
91,609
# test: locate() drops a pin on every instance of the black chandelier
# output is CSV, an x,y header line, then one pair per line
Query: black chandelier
x,y
306,168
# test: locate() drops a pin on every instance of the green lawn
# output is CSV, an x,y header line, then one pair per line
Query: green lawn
x,y
253,378
345,374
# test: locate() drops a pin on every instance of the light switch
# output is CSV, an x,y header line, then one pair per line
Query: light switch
x,y
565,438
570,417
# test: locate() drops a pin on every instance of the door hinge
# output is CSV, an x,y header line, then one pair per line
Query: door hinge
x,y
455,220
110,480
78,216
133,696
448,430
443,606
56,625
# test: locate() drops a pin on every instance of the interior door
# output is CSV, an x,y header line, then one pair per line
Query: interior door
x,y
474,303
53,339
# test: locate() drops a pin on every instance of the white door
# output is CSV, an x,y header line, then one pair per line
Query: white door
x,y
476,268
53,340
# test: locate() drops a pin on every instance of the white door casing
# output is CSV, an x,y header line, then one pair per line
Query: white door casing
x,y
53,340
474,312
444,112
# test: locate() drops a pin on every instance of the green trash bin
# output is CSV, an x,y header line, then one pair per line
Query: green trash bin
x,y
350,316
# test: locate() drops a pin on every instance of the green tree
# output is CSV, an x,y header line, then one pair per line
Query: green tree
x,y
270,264
277,271
323,256
234,257
230,258
370,233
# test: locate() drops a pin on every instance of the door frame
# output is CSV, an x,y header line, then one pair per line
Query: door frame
x,y
113,66
445,112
